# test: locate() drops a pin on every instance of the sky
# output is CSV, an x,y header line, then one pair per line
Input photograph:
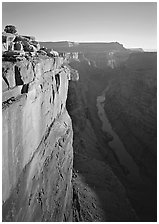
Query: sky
x,y
133,24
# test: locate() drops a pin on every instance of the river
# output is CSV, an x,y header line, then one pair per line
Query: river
x,y
116,144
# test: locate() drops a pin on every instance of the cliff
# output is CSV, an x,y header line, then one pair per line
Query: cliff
x,y
58,167
37,140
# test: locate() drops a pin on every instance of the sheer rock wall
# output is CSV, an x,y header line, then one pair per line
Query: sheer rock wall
x,y
37,138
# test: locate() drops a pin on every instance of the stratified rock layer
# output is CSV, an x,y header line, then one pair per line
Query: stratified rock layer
x,y
37,141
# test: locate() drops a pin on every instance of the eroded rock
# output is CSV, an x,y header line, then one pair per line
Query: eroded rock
x,y
37,142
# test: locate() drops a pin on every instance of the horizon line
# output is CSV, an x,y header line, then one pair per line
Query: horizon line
x,y
129,47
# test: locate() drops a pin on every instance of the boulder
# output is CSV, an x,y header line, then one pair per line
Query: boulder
x,y
30,38
7,40
8,36
35,44
42,52
54,53
8,74
18,46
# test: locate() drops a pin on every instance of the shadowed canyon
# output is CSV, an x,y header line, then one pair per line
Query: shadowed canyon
x,y
80,135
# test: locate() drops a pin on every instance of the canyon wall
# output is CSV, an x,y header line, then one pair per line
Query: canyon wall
x,y
44,177
130,105
98,193
37,140
131,102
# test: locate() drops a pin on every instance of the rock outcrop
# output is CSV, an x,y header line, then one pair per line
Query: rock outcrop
x,y
37,141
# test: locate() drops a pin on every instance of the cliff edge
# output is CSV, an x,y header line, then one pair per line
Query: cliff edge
x,y
37,149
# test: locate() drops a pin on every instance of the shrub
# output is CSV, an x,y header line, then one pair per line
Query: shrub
x,y
10,29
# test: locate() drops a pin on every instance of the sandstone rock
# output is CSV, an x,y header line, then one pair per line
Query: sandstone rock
x,y
37,133
23,72
4,47
30,38
8,74
5,85
44,190
42,52
36,136
8,37
11,93
47,65
36,45
18,46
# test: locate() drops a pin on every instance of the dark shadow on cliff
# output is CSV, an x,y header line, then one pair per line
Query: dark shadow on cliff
x,y
102,196
100,184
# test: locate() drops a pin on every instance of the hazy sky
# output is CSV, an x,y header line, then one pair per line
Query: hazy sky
x,y
132,24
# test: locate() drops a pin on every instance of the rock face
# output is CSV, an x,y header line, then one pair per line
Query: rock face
x,y
37,141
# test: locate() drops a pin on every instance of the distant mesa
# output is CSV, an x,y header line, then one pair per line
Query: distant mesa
x,y
86,47
136,49
68,46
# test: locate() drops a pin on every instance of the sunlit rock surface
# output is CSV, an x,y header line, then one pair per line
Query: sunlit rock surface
x,y
37,141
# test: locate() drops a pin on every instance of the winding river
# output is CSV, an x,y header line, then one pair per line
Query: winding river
x,y
116,144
